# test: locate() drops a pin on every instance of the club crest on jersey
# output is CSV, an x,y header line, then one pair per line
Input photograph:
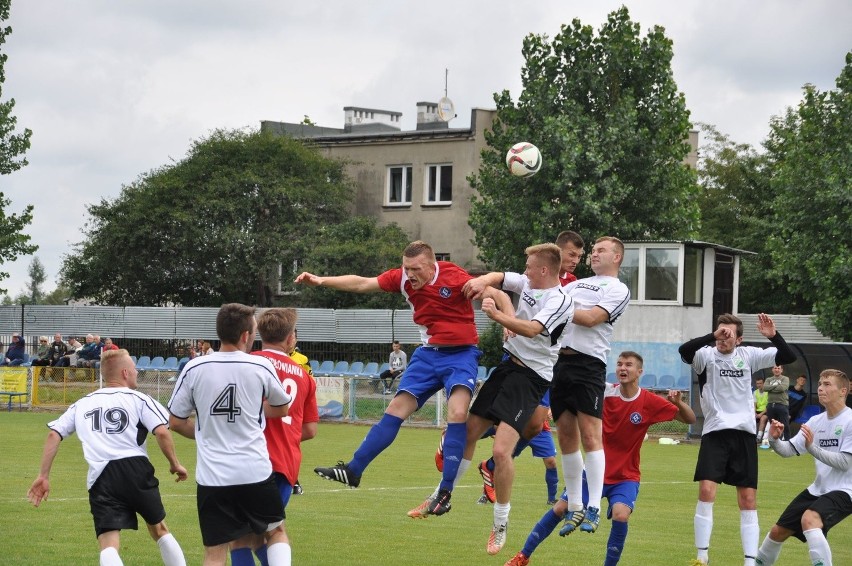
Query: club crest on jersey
x,y
635,418
838,430
445,292
739,363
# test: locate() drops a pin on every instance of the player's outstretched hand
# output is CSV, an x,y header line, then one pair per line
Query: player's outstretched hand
x,y
807,433
308,279
489,307
180,472
674,396
473,288
776,429
39,491
765,325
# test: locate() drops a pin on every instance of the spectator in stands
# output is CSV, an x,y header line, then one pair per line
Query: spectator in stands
x,y
69,359
108,345
57,349
16,354
89,353
397,361
42,356
761,398
798,399
778,408
207,348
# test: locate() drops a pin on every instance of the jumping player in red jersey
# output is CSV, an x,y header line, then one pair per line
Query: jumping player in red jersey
x,y
628,411
448,357
277,328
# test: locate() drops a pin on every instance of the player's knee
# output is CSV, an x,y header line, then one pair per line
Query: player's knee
x,y
158,530
811,520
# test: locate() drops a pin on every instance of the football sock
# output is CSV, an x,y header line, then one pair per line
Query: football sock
x,y
489,464
572,471
818,548
242,557
501,513
540,531
171,551
110,557
615,544
551,477
750,535
381,435
768,552
465,464
279,554
454,442
595,477
519,447
261,554
703,523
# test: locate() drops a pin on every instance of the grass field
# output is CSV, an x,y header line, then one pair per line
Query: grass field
x,y
332,525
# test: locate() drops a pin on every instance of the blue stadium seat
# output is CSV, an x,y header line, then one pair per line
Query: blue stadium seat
x,y
666,382
143,363
171,364
340,368
183,360
314,366
648,381
156,364
808,412
481,373
684,382
371,370
382,368
134,359
355,369
325,368
610,378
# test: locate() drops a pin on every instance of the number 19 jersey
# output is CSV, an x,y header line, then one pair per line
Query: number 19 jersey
x,y
226,390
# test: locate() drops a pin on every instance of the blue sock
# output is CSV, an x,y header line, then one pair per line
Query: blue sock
x,y
260,552
551,476
454,442
242,557
519,447
541,531
489,464
381,435
615,544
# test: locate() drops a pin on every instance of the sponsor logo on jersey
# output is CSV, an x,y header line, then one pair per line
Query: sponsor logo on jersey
x,y
829,443
587,286
528,300
635,418
731,372
445,292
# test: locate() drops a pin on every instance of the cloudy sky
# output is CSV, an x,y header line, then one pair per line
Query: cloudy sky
x,y
114,89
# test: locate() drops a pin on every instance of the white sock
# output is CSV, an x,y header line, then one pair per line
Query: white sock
x,y
278,554
760,436
572,470
463,466
750,534
171,551
110,557
501,513
818,548
703,523
595,477
768,552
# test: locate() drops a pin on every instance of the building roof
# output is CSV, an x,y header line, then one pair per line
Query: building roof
x,y
696,243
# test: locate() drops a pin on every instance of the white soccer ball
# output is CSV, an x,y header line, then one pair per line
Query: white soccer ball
x,y
523,159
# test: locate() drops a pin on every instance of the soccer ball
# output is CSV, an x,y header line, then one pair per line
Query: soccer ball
x,y
523,159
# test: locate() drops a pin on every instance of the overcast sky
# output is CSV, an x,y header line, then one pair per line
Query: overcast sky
x,y
113,89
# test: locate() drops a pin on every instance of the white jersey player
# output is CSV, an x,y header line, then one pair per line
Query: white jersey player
x,y
113,424
828,500
728,452
226,390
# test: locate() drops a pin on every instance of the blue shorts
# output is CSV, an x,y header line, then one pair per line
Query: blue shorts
x,y
625,492
431,369
542,445
545,401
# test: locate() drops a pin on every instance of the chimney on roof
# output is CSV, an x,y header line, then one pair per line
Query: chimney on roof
x,y
370,120
427,117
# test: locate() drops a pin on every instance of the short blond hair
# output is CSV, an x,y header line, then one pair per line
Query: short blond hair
x,y
111,361
550,254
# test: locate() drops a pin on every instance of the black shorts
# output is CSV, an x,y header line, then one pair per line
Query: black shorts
x,y
728,456
579,381
511,395
226,513
126,487
832,507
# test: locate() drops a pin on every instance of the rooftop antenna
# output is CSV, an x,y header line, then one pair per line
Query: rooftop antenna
x,y
446,109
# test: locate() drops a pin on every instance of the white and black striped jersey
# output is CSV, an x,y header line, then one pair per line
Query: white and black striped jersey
x,y
112,423
726,398
553,308
226,390
601,291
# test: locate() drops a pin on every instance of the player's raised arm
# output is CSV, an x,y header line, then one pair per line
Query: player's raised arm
x,y
685,414
351,283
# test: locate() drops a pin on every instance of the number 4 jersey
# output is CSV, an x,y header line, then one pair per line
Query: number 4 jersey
x,y
112,423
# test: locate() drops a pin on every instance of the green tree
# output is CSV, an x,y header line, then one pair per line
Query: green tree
x,y
811,150
358,246
35,293
737,211
612,128
58,296
13,242
210,228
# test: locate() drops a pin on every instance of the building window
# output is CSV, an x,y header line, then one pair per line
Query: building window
x,y
442,257
653,272
399,185
439,184
693,276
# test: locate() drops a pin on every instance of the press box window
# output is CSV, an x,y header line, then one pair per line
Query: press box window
x,y
399,185
439,184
